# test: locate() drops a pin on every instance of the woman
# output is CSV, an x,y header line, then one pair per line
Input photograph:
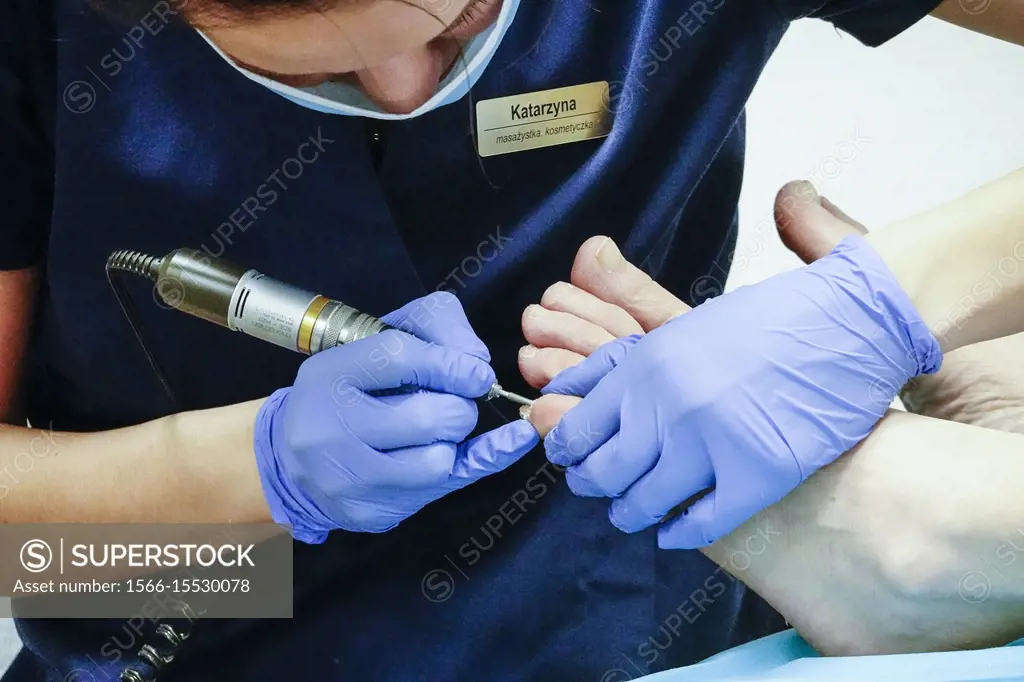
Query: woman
x,y
155,142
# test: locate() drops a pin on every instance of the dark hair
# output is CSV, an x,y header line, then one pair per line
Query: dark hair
x,y
182,11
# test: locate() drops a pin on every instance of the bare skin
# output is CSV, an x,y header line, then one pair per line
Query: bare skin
x,y
397,50
867,562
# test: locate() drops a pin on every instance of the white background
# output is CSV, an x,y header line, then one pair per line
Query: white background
x,y
938,111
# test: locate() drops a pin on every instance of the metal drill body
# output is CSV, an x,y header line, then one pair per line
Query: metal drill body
x,y
252,303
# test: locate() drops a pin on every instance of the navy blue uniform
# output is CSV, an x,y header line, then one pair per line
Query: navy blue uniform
x,y
142,138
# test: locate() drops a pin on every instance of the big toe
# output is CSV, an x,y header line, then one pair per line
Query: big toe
x,y
810,225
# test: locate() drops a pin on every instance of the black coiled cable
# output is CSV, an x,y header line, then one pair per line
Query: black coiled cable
x,y
156,659
142,265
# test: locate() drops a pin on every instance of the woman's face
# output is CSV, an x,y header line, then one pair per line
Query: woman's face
x,y
396,51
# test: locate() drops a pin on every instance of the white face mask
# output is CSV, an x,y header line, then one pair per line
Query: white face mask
x,y
348,100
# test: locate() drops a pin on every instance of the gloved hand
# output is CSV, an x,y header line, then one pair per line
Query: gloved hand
x,y
748,394
333,456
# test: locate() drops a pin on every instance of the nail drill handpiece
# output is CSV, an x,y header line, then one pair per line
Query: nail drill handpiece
x,y
250,302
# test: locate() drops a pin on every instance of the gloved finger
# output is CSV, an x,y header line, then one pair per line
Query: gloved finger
x,y
410,419
416,468
568,298
672,481
441,319
587,426
540,365
581,379
545,328
615,466
704,523
492,452
601,269
393,359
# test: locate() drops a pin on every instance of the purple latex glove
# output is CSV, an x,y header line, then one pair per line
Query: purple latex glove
x,y
748,394
333,456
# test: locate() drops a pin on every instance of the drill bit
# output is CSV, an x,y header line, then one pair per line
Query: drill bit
x,y
498,392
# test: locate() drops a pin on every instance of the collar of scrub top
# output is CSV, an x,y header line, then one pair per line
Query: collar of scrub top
x,y
346,100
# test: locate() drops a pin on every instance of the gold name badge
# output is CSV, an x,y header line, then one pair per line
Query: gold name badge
x,y
543,119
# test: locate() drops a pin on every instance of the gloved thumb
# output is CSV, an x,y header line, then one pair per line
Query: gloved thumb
x,y
492,452
581,379
809,224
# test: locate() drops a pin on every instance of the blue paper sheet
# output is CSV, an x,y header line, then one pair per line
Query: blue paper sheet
x,y
786,656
